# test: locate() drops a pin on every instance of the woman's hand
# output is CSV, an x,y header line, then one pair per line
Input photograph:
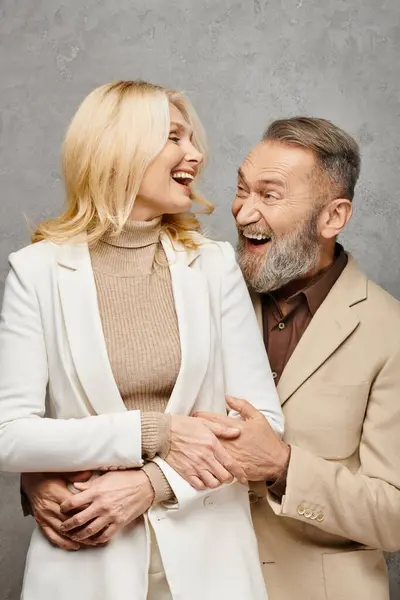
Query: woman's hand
x,y
106,504
197,454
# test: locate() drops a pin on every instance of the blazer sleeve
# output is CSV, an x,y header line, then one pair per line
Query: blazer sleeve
x,y
29,442
246,367
362,506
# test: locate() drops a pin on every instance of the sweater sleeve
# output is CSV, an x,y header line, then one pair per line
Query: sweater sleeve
x,y
162,490
156,433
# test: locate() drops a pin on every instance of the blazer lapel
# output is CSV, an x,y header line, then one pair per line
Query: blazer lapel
x,y
85,333
332,324
256,300
84,329
190,290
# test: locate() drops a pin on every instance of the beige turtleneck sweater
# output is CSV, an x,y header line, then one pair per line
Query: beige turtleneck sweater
x,y
141,331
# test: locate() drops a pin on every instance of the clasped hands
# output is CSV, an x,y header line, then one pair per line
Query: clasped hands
x,y
207,451
104,505
245,448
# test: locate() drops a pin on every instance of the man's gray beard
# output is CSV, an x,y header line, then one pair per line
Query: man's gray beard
x,y
288,258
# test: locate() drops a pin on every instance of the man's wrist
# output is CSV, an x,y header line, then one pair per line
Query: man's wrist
x,y
25,500
25,503
281,463
277,484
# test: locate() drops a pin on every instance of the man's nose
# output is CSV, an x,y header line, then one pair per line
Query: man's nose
x,y
248,213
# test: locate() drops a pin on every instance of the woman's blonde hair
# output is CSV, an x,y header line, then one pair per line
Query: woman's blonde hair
x,y
116,133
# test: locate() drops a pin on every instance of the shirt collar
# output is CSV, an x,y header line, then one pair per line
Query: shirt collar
x,y
319,287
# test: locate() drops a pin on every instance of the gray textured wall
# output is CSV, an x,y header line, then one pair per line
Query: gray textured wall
x,y
243,63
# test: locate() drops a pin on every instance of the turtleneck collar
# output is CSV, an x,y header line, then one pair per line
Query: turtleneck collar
x,y
131,253
136,234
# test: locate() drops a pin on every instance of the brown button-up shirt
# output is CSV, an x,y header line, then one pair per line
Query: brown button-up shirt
x,y
283,329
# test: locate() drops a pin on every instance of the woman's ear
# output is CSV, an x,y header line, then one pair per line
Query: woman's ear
x,y
335,217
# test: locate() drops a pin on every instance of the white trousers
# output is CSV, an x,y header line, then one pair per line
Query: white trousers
x,y
158,585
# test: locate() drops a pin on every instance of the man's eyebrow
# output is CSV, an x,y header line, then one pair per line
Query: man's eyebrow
x,y
241,174
269,181
261,182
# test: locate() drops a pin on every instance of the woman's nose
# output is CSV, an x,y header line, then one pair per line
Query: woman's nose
x,y
194,156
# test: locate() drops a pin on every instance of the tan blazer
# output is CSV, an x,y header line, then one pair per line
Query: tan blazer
x,y
340,393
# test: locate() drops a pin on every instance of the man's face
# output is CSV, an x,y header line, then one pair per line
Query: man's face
x,y
276,210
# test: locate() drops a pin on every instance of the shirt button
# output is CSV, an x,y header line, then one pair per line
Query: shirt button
x,y
320,517
307,513
301,509
274,375
281,325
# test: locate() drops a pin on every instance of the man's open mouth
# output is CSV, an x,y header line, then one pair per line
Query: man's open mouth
x,y
257,239
182,177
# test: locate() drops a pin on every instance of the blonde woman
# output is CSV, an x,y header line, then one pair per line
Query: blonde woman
x,y
132,321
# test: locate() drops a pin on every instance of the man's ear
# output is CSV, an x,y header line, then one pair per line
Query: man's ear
x,y
335,217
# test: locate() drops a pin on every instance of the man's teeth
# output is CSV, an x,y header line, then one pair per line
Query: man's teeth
x,y
258,236
182,175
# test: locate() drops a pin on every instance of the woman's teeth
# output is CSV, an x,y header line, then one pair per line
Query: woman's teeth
x,y
182,177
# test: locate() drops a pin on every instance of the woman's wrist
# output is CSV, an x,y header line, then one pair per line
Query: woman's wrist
x,y
162,490
156,434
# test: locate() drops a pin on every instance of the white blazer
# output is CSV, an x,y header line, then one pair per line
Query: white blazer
x,y
51,338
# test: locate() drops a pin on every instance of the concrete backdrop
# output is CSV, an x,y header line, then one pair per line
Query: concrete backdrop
x,y
243,64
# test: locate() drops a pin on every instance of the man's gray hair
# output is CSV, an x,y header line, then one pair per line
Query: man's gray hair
x,y
336,152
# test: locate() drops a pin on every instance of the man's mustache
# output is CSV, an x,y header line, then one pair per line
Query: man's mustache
x,y
255,230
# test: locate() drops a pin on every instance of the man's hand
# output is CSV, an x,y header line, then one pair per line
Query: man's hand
x,y
45,493
258,450
197,454
106,505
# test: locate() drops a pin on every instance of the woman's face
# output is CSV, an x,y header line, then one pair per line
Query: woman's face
x,y
165,188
